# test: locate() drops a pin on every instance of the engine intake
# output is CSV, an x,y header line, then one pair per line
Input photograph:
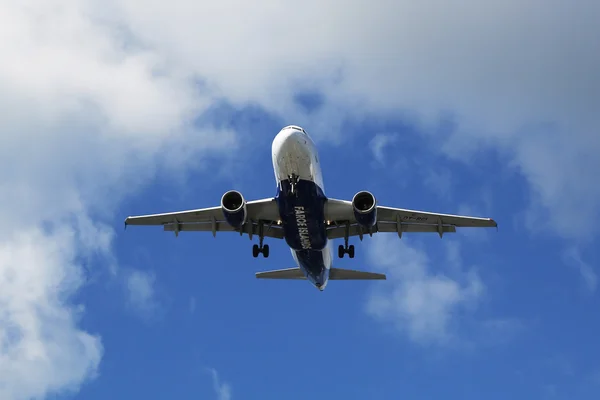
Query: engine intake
x,y
365,209
233,205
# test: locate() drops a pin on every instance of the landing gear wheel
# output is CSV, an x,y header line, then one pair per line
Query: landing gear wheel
x,y
341,251
346,250
255,251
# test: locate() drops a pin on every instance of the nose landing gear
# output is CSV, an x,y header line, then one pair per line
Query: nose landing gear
x,y
293,183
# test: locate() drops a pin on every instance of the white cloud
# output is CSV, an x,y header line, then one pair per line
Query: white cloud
x,y
141,292
439,181
515,74
87,118
419,302
222,390
41,347
99,94
572,256
378,144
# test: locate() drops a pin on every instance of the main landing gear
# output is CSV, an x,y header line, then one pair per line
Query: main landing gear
x,y
260,248
345,249
256,250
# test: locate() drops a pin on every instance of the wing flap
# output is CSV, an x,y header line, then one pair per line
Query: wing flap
x,y
220,226
390,214
393,227
289,273
340,274
274,231
338,232
199,215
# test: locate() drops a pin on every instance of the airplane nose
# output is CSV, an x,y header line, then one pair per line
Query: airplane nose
x,y
288,141
289,136
292,155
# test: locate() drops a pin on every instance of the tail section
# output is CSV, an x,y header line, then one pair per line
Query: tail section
x,y
335,274
339,274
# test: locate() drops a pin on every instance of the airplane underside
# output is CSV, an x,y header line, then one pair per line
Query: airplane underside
x,y
305,218
301,206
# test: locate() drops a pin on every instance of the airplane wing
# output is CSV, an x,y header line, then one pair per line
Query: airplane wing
x,y
261,213
341,216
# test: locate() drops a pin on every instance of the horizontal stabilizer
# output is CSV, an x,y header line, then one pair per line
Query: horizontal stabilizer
x,y
289,273
339,274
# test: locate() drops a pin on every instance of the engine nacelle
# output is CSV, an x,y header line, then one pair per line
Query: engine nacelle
x,y
365,209
233,205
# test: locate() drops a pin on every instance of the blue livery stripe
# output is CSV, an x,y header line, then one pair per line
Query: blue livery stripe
x,y
303,215
303,218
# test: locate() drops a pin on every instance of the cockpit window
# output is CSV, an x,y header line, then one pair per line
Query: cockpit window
x,y
296,128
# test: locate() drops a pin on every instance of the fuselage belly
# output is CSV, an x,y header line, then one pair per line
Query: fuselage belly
x,y
301,201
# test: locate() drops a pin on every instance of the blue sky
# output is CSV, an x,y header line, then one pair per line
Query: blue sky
x,y
516,327
124,108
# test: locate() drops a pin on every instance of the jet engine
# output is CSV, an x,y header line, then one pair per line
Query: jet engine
x,y
233,205
365,209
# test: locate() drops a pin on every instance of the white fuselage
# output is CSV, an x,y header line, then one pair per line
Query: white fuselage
x,y
294,154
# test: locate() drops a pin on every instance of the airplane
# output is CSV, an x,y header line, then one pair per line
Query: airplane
x,y
308,220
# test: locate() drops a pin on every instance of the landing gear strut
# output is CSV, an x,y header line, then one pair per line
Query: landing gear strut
x,y
345,249
293,182
260,248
